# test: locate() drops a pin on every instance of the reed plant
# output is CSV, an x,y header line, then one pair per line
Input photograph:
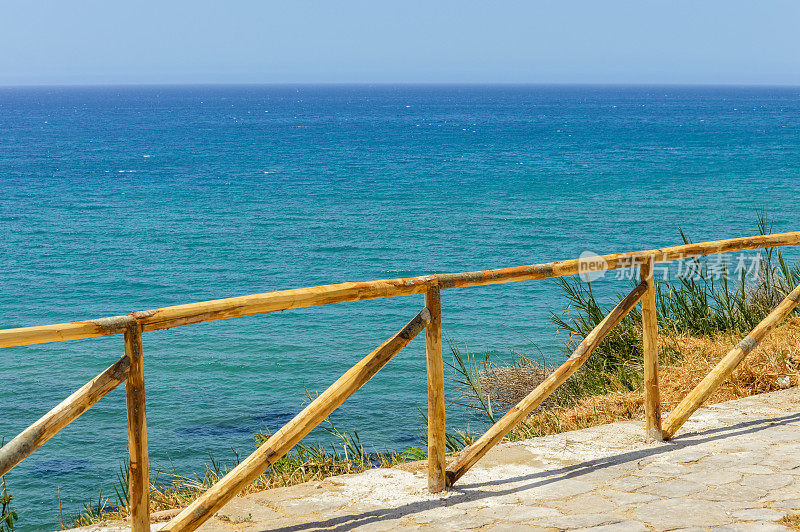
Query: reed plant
x,y
8,515
93,512
707,302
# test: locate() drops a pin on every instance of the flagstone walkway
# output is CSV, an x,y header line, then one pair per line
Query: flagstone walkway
x,y
733,466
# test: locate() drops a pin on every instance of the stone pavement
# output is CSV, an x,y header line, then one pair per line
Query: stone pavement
x,y
733,466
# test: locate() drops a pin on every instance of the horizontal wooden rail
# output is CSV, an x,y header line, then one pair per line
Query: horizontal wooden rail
x,y
295,430
725,367
62,415
249,305
614,261
516,415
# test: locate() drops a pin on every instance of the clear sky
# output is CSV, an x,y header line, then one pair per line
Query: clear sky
x,y
553,41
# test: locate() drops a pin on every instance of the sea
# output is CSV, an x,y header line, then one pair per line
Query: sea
x,y
115,199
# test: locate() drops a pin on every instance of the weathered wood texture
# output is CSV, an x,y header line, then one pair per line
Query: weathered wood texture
x,y
60,332
467,458
725,367
167,317
614,261
137,433
61,415
290,434
436,403
652,396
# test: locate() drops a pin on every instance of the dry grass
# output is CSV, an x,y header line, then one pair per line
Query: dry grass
x,y
792,521
508,385
184,490
774,365
170,491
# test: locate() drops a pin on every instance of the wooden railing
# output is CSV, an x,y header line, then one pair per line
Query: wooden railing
x,y
130,367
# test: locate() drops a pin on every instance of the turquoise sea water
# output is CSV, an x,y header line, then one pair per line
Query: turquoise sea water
x,y
120,199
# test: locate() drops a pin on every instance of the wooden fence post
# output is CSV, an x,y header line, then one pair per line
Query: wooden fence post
x,y
652,395
139,506
436,403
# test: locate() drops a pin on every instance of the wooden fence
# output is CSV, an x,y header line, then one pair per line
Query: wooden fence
x,y
440,475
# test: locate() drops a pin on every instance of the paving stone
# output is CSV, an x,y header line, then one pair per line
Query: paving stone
x,y
672,488
669,514
664,470
758,514
731,492
759,526
632,483
758,469
518,527
767,482
622,526
589,503
570,522
691,455
517,513
604,474
624,498
714,477
556,490
462,521
436,514
788,493
788,505
735,459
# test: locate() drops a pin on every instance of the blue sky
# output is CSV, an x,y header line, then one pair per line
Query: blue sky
x,y
568,41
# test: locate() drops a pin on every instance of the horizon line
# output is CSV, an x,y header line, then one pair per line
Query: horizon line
x,y
394,84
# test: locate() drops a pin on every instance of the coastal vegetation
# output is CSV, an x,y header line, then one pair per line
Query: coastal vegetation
x,y
170,490
8,515
700,315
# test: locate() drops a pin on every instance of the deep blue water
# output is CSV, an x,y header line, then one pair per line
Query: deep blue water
x,y
119,199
